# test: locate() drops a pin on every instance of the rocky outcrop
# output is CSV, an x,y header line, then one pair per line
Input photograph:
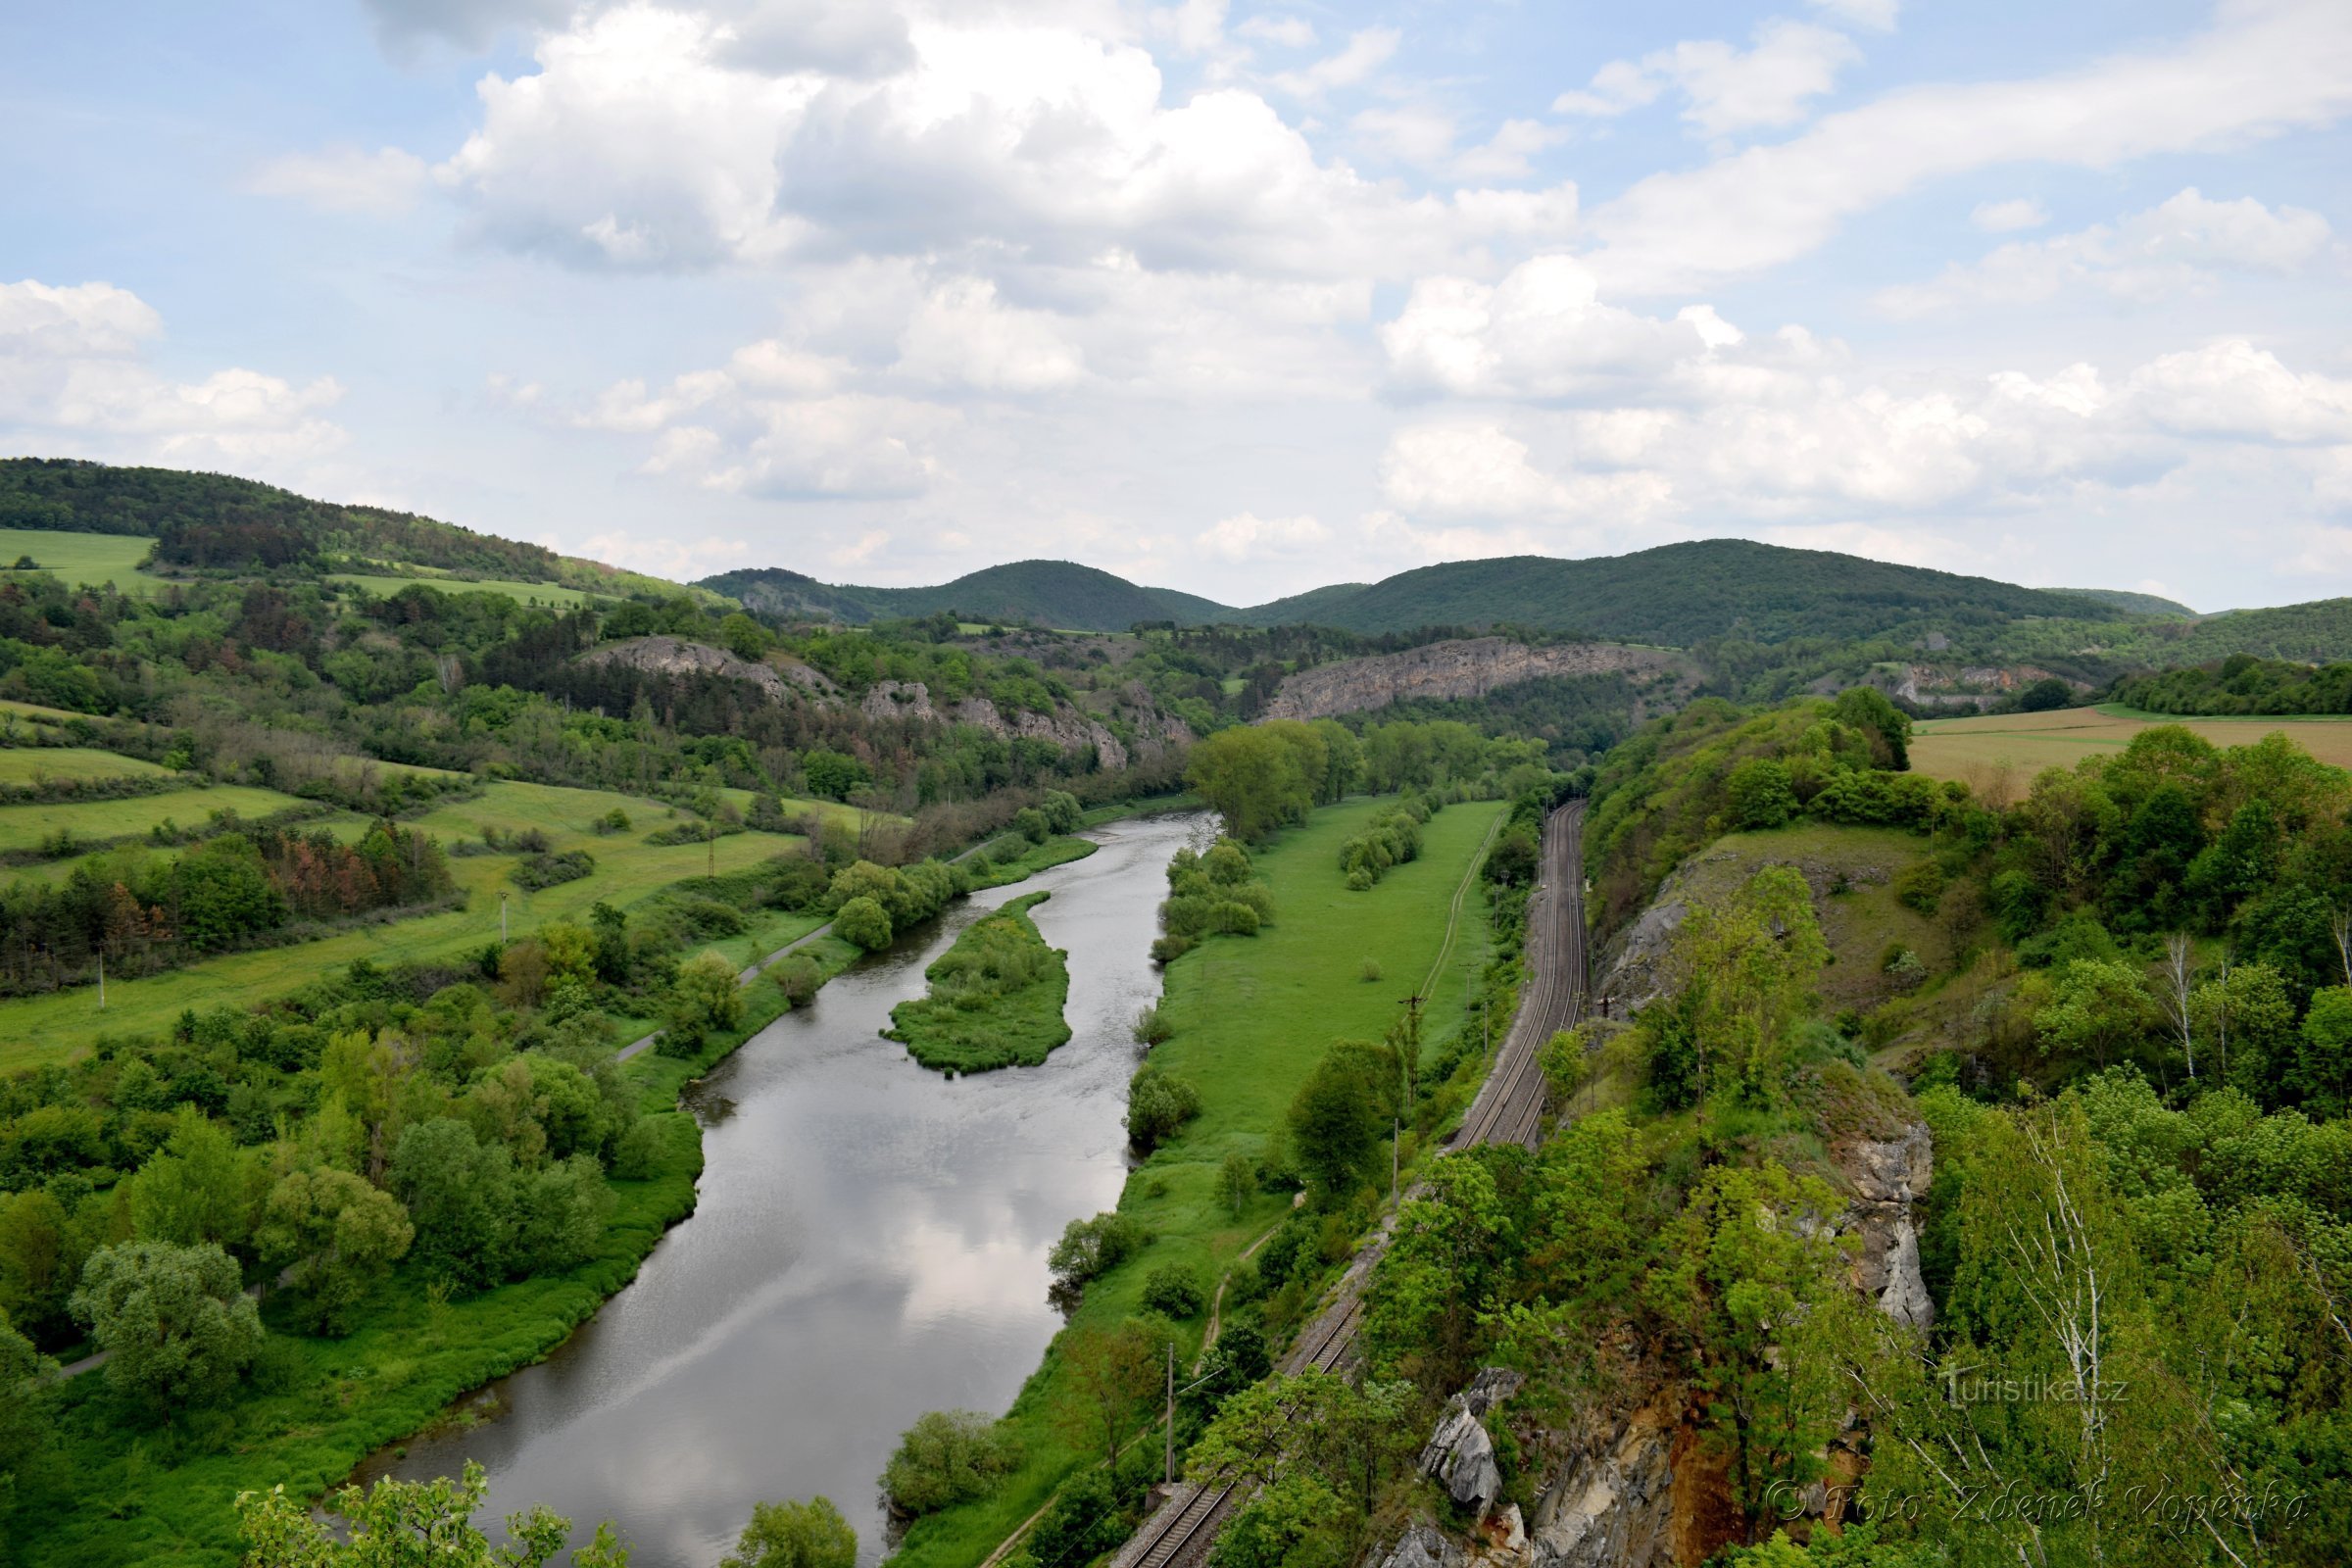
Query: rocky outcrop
x,y
1954,686
1888,1178
1613,1506
675,655
1468,667
1065,729
1422,1545
1460,1456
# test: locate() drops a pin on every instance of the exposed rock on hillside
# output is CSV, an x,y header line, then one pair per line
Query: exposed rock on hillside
x,y
674,656
1471,667
1460,1457
1612,1505
1066,730
1888,1177
1977,686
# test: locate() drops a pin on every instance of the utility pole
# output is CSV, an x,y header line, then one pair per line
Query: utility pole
x,y
1168,1459
1395,1147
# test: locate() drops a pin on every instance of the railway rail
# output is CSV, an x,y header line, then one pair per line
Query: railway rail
x,y
1509,1108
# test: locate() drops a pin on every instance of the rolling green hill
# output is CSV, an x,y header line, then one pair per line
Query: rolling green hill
x,y
2132,604
1047,593
1680,594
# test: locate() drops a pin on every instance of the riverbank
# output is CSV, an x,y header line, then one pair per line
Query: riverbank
x,y
316,1408
1251,1016
995,998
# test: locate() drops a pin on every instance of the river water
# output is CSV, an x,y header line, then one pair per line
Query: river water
x,y
869,1244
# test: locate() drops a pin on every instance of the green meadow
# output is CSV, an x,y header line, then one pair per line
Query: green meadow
x,y
29,765
81,558
544,593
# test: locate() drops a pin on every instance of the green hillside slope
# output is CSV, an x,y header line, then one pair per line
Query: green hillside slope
x,y
2132,604
1048,593
1684,593
790,595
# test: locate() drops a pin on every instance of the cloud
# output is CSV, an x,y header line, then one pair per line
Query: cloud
x,y
1540,333
1725,89
2234,389
344,180
2172,248
2004,218
1878,16
1365,53
2266,66
403,24
71,372
678,559
1245,537
962,334
1287,32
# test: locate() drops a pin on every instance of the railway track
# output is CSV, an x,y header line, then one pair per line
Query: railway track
x,y
1509,1108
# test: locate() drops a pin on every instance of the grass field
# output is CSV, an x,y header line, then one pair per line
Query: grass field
x,y
1016,1027
81,558
1251,1015
24,827
27,764
1998,754
50,1028
545,593
1859,924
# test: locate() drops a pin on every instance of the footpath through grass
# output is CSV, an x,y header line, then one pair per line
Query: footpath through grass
x,y
995,996
1251,1017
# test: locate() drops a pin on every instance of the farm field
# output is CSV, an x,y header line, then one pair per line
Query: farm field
x,y
1252,1015
83,558
23,827
49,1028
24,764
1998,754
546,593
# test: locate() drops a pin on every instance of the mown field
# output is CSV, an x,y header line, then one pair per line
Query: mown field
x,y
81,558
24,827
29,765
1998,756
48,1028
544,593
1251,1017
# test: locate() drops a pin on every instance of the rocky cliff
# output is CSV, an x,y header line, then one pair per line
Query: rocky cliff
x,y
675,655
1065,729
1469,667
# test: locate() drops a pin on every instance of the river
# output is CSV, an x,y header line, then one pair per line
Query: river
x,y
869,1244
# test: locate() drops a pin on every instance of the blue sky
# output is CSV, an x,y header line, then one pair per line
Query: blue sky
x,y
1239,299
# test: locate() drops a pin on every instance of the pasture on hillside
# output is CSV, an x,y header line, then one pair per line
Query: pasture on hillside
x,y
81,558
1996,756
29,765
543,593
50,1028
24,827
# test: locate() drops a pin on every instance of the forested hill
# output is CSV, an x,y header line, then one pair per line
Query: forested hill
x,y
1682,594
217,519
1047,593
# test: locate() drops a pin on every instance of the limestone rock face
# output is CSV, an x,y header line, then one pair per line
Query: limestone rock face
x,y
1889,1176
1065,729
1613,1509
1422,1545
1460,1456
1466,667
675,655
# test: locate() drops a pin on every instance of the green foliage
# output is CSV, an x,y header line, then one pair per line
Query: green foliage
x,y
175,1322
863,922
995,998
1174,1291
794,1534
332,1235
1260,777
1759,794
396,1523
947,1458
2242,683
1342,1114
703,1001
1090,1249
1392,838
1157,1108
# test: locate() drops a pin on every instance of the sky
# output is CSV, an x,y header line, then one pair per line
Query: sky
x,y
1231,298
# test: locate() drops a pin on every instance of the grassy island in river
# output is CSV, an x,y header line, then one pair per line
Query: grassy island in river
x,y
995,996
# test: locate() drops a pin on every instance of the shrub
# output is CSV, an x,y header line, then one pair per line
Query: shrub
x,y
948,1457
1090,1249
1157,1108
1920,887
1174,1290
1168,950
1151,1026
551,870
798,976
1371,971
864,922
1237,919
1760,795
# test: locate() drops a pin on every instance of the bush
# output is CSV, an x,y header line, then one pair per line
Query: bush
x,y
1237,919
863,922
1920,887
1157,1107
948,1457
1151,1026
181,1328
1371,971
1174,1290
1090,1249
703,1001
1168,950
798,976
551,870
1760,795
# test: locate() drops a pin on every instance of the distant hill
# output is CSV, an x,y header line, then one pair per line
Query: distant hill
x,y
218,520
1317,606
1680,594
2131,602
1045,593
